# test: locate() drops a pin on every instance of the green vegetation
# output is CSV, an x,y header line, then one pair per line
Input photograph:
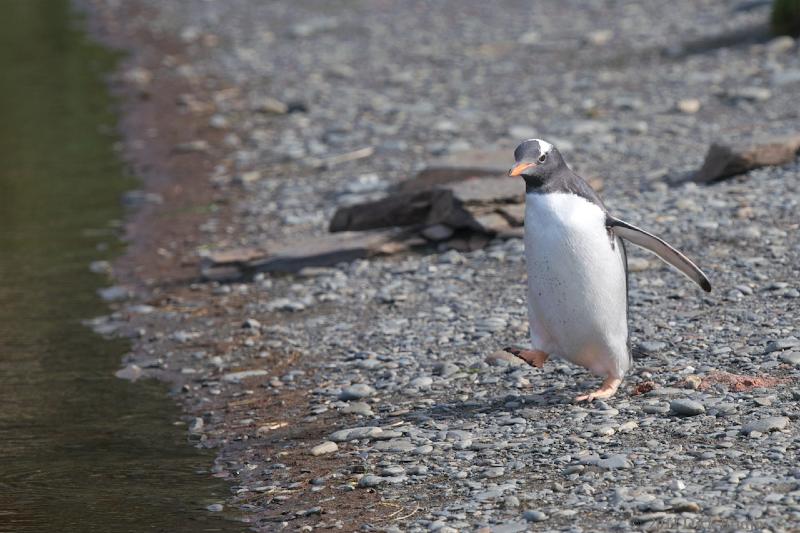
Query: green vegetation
x,y
785,17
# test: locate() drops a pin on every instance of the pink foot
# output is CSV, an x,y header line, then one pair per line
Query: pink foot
x,y
532,357
606,390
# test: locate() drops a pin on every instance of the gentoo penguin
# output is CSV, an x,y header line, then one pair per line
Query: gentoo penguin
x,y
577,269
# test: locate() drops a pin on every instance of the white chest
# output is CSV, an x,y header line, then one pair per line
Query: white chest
x,y
577,296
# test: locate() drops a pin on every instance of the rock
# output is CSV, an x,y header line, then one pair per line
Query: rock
x,y
656,408
421,382
197,145
100,267
765,425
325,250
786,77
251,323
470,163
685,506
246,178
724,160
324,448
614,462
445,369
753,94
215,507
692,381
131,372
138,76
356,433
116,293
781,344
269,105
370,480
638,264
651,347
429,207
686,407
780,45
534,516
443,204
137,199
235,377
356,392
395,445
502,357
437,232
358,408
197,425
792,358
599,37
689,106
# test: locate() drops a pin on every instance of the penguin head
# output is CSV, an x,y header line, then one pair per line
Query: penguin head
x,y
536,162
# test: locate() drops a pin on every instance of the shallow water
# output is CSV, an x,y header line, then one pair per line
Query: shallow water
x,y
80,450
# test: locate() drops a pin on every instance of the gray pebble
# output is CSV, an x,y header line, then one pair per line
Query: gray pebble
x,y
686,407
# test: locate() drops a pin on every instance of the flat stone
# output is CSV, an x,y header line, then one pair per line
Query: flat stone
x,y
765,425
792,358
652,346
325,447
131,372
686,407
116,293
617,461
502,357
421,382
356,392
781,344
437,232
689,106
235,377
358,408
724,160
370,480
534,516
656,409
356,433
320,251
464,204
395,445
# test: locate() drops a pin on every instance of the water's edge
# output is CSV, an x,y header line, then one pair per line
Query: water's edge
x,y
80,450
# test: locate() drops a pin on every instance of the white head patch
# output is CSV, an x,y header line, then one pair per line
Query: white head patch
x,y
544,146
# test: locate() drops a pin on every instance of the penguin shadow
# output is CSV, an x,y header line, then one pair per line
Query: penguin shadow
x,y
510,403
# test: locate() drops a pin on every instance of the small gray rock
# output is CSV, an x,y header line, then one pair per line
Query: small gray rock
x,y
781,344
356,392
614,462
765,425
325,447
792,358
370,480
686,407
534,516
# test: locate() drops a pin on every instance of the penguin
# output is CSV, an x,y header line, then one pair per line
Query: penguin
x,y
577,269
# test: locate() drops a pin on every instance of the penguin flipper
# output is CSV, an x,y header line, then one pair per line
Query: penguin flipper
x,y
659,247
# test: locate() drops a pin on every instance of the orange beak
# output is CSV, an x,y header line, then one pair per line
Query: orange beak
x,y
519,168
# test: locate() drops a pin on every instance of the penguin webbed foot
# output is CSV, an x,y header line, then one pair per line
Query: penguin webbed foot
x,y
606,390
534,358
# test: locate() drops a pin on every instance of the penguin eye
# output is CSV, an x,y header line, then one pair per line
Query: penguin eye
x,y
542,158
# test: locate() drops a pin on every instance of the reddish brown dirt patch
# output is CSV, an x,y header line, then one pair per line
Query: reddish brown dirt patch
x,y
741,383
